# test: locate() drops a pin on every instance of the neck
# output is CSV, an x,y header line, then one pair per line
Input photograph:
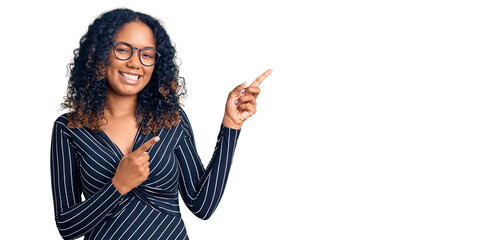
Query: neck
x,y
119,106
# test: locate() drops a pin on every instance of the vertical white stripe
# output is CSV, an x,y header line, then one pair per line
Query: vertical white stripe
x,y
227,159
71,168
62,188
216,182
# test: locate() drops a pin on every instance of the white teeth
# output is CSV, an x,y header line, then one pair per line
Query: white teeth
x,y
131,76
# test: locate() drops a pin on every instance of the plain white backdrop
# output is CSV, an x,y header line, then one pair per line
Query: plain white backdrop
x,y
381,120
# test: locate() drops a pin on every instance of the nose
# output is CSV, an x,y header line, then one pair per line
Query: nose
x,y
134,61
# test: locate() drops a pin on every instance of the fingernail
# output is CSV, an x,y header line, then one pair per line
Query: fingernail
x,y
236,102
242,91
157,139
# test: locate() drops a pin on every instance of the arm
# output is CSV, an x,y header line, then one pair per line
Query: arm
x,y
202,189
75,217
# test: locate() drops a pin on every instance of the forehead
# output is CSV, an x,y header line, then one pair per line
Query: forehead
x,y
137,34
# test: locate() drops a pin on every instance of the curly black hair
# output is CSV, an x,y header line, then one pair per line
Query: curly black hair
x,y
157,104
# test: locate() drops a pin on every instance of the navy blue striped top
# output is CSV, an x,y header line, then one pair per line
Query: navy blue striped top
x,y
84,162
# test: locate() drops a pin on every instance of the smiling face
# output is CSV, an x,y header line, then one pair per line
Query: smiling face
x,y
127,78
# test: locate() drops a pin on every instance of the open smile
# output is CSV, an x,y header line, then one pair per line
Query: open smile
x,y
130,78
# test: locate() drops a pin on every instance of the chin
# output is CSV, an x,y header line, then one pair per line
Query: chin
x,y
125,90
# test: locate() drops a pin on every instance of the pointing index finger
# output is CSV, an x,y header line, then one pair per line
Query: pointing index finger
x,y
144,147
261,78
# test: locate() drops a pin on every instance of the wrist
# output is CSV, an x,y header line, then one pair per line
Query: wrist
x,y
120,188
228,123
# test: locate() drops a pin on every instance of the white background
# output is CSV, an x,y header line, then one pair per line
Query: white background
x,y
381,120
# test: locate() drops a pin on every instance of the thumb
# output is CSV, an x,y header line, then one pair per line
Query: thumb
x,y
238,89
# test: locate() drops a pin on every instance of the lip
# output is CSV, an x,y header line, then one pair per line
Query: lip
x,y
128,80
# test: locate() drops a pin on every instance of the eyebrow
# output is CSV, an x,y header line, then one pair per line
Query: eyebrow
x,y
134,45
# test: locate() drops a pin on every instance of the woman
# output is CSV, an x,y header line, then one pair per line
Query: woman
x,y
127,145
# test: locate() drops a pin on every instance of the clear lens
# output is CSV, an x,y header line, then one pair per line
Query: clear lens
x,y
123,51
148,56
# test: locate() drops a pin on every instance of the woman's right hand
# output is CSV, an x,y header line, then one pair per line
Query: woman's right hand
x,y
133,169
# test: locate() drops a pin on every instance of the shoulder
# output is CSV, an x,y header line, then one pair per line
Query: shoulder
x,y
183,115
62,123
184,120
60,128
62,120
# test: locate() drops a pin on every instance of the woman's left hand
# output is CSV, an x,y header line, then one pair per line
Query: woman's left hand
x,y
241,103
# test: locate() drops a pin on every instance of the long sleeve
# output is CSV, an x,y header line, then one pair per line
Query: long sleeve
x,y
202,189
75,217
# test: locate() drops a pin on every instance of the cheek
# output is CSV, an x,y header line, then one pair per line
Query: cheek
x,y
109,74
148,74
112,69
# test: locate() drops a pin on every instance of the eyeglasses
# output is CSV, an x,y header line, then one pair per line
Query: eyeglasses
x,y
124,51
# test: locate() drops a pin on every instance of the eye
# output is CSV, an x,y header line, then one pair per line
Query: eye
x,y
148,55
122,50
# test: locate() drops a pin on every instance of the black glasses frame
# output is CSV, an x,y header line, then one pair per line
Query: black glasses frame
x,y
157,54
